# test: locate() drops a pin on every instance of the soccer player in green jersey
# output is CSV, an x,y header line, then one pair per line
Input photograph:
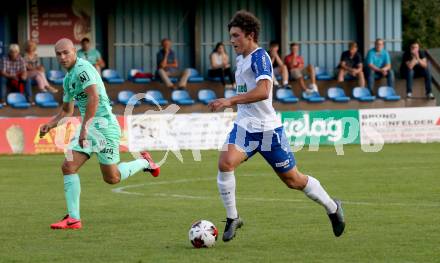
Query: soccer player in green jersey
x,y
99,132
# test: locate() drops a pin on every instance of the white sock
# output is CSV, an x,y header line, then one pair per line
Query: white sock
x,y
285,82
226,187
314,191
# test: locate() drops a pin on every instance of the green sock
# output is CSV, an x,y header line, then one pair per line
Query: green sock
x,y
72,190
127,169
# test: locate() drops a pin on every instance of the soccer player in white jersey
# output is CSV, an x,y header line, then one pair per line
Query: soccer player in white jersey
x,y
258,129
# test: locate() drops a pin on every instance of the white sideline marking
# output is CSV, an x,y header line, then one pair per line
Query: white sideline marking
x,y
122,190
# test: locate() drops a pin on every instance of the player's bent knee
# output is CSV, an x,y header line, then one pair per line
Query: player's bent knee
x,y
68,168
226,165
112,179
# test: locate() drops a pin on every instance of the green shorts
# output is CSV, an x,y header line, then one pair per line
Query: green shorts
x,y
104,141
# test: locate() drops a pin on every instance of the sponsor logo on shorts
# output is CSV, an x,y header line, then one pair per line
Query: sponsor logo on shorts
x,y
107,150
282,164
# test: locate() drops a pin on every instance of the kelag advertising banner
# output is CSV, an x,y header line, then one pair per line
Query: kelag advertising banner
x,y
321,127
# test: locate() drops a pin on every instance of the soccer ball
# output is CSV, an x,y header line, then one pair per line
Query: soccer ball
x,y
203,234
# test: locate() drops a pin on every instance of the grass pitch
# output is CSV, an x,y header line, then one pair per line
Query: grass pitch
x,y
391,202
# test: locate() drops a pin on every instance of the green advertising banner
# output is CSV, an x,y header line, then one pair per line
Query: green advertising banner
x,y
321,127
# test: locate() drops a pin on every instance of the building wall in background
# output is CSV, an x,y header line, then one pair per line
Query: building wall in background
x,y
214,17
322,27
386,23
141,25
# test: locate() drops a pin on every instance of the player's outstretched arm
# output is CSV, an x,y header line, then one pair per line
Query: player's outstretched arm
x,y
66,111
261,92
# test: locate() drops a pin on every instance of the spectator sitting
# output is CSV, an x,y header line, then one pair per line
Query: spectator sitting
x,y
295,65
278,66
220,65
92,55
379,65
35,70
414,64
167,66
14,75
351,64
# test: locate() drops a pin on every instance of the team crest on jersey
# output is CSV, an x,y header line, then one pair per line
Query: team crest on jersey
x,y
241,88
83,77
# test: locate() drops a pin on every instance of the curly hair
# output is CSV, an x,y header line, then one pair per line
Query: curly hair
x,y
247,22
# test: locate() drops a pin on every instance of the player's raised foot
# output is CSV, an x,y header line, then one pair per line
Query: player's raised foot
x,y
337,219
231,227
67,223
154,169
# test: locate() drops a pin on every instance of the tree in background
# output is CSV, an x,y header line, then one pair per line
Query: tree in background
x,y
421,21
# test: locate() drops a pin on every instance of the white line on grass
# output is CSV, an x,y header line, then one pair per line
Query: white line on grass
x,y
122,190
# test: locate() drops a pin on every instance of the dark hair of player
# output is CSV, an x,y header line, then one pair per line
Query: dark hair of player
x,y
247,22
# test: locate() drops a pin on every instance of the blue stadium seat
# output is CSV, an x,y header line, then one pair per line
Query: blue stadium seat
x,y
155,97
312,97
216,79
195,76
181,97
363,94
56,76
387,93
285,96
132,72
125,97
322,74
230,93
17,100
112,76
46,100
206,96
337,94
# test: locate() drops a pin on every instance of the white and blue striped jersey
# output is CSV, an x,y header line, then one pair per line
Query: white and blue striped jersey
x,y
257,116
